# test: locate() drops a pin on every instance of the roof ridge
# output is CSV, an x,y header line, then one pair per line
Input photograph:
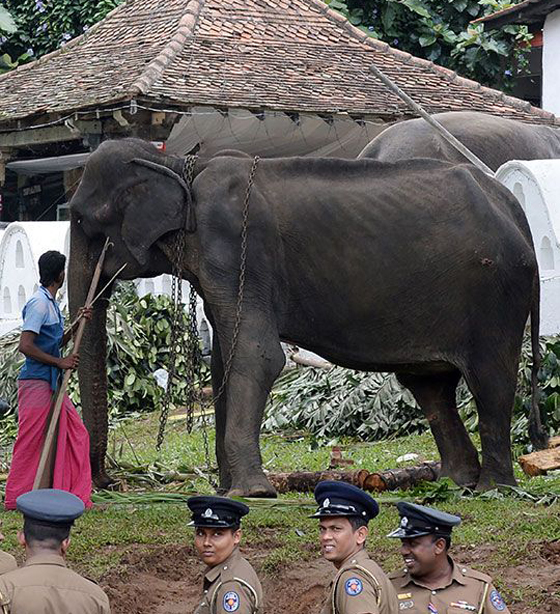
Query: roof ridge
x,y
69,45
163,59
449,74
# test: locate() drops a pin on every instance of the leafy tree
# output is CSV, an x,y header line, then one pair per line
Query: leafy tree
x,y
440,31
45,25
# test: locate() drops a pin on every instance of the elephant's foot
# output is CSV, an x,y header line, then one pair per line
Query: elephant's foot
x,y
224,483
103,481
490,479
466,475
258,486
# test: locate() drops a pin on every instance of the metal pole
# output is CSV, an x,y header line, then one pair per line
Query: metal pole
x,y
433,123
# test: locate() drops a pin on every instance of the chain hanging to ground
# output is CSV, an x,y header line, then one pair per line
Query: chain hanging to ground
x,y
178,319
193,344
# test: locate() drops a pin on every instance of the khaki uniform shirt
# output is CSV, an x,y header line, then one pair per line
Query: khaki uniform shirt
x,y
44,585
465,592
355,591
7,562
232,586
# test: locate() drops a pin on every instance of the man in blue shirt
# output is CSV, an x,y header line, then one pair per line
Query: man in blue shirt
x,y
41,340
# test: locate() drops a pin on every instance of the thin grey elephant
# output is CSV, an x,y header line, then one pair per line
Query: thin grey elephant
x,y
424,268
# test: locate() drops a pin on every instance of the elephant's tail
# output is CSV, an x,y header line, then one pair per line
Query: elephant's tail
x,y
537,435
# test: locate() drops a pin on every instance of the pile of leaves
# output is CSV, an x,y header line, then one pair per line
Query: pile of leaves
x,y
138,337
335,403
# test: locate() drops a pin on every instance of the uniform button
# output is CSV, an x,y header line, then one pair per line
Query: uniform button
x,y
353,561
464,570
205,591
225,566
433,592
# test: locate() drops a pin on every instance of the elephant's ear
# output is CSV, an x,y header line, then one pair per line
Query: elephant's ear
x,y
156,207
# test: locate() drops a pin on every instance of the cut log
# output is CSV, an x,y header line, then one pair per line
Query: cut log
x,y
404,478
538,463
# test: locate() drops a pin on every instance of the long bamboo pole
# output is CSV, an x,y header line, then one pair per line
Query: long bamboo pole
x,y
44,467
433,123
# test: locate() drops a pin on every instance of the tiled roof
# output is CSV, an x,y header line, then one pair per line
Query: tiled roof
x,y
526,12
287,55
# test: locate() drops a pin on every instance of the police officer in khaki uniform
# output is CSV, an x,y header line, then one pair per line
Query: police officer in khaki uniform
x,y
45,585
432,582
230,583
360,586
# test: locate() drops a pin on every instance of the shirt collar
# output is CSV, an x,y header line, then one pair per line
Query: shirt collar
x,y
46,293
45,559
456,576
213,573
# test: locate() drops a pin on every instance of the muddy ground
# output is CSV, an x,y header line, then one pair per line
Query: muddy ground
x,y
167,580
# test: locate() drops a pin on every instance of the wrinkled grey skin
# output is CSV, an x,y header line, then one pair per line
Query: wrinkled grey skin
x,y
372,265
494,140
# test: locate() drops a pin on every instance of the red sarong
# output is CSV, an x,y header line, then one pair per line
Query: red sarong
x,y
72,470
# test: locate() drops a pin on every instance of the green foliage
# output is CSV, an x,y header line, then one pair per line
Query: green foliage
x,y
46,25
138,336
442,32
338,402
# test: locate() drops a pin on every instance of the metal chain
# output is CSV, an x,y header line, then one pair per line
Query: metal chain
x,y
194,355
241,288
177,323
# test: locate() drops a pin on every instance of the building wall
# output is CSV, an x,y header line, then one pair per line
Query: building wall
x,y
551,63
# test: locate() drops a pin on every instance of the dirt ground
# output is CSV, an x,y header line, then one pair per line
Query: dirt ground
x,y
167,580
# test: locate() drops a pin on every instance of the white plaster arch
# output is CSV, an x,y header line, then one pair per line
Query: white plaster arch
x,y
536,184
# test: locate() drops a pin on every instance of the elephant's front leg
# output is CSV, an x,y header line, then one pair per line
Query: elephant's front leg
x,y
217,369
258,359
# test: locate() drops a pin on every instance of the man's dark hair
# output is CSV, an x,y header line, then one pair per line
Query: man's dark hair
x,y
356,522
447,539
51,265
48,535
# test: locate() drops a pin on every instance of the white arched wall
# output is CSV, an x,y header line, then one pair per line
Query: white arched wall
x,y
536,184
21,245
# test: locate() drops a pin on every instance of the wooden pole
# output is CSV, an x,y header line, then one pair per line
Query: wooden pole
x,y
433,123
41,477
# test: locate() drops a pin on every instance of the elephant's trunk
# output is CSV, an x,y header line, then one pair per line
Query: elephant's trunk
x,y
92,371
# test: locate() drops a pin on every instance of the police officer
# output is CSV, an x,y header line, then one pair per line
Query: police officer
x,y
45,585
230,583
360,586
432,582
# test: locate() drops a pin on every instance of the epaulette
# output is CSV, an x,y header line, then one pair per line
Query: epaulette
x,y
472,573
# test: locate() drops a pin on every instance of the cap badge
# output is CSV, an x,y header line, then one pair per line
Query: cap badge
x,y
326,502
404,522
208,513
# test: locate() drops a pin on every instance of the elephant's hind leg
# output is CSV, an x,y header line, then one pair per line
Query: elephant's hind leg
x,y
435,393
493,386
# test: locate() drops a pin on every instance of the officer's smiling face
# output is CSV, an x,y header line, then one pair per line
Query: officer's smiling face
x,y
215,545
421,554
339,540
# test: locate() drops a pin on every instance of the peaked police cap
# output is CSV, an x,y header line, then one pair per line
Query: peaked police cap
x,y
418,520
50,506
208,511
343,499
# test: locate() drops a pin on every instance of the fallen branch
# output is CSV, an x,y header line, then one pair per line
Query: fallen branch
x,y
407,477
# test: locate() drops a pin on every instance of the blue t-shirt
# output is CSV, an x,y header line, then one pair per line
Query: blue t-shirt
x,y
41,315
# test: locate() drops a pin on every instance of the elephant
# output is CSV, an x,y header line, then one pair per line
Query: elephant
x,y
495,140
423,268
